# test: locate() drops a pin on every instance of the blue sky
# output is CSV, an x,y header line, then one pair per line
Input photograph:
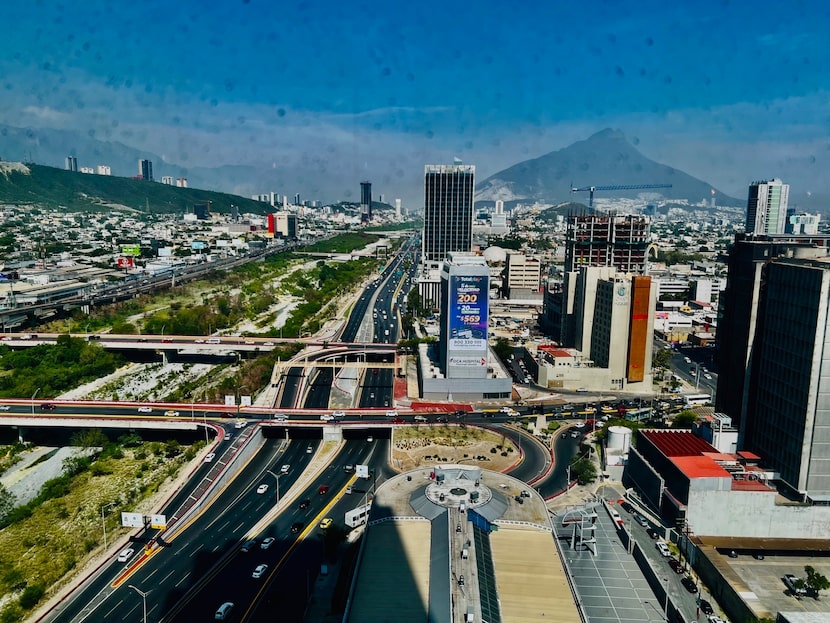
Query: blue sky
x,y
728,91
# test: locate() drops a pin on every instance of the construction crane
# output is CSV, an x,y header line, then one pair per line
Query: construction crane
x,y
590,189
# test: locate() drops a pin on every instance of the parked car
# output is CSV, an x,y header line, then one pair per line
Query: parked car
x,y
676,566
706,607
689,584
790,581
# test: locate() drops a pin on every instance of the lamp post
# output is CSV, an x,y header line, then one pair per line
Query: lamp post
x,y
104,523
33,401
277,478
143,599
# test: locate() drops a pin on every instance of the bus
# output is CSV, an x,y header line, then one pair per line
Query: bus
x,y
693,400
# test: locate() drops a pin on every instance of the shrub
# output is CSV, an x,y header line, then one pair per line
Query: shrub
x,y
31,595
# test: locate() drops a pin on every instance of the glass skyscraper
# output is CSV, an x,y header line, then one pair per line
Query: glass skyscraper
x,y
448,210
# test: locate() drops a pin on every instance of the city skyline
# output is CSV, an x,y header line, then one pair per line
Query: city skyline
x,y
290,88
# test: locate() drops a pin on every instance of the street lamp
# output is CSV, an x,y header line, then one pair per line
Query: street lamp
x,y
276,476
33,401
104,523
143,599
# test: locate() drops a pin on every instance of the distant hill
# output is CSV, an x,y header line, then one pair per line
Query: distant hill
x,y
52,187
604,159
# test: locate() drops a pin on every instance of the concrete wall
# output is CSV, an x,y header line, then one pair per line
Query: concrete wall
x,y
754,514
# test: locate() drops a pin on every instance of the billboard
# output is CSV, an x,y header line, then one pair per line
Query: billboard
x,y
125,262
130,249
158,522
468,312
198,245
468,362
132,520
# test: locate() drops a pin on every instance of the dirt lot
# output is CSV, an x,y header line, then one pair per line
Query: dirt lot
x,y
429,444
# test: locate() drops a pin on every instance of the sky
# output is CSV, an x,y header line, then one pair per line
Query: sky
x,y
729,92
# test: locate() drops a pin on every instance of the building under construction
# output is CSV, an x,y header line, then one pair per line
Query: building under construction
x,y
607,240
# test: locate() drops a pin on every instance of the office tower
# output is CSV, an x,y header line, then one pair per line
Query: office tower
x,y
786,413
202,210
145,170
448,210
803,224
465,289
739,309
365,201
523,276
766,207
297,199
285,225
71,164
167,179
181,182
398,208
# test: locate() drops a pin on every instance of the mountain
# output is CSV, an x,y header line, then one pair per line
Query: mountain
x,y
604,159
52,187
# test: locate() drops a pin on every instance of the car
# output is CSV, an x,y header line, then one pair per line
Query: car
x,y
325,417
707,376
370,439
675,565
443,419
790,580
627,507
309,449
323,489
125,554
398,420
349,490
758,556
652,533
167,340
374,371
259,571
4,407
280,417
249,342
267,542
689,584
706,607
421,418
297,526
240,424
225,414
714,618
145,409
582,390
391,413
663,549
326,523
641,520
223,611
171,413
305,504
47,406
248,546
262,488
285,468
337,415
348,468
209,457
199,341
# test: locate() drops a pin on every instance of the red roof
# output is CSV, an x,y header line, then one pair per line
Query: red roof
x,y
678,443
554,351
700,467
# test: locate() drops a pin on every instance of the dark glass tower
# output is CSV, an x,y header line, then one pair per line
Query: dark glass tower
x,y
448,210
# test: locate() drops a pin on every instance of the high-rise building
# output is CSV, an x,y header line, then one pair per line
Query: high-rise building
x,y
398,208
181,182
607,240
103,169
285,225
523,276
71,164
365,201
766,207
167,179
145,170
448,210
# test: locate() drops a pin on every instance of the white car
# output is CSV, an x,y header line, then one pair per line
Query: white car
x,y
392,413
4,407
145,409
280,417
259,571
126,554
338,414
421,418
262,489
171,413
267,542
240,424
267,343
209,457
326,417
714,618
284,469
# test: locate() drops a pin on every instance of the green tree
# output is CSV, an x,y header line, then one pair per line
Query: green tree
x,y
7,502
815,581
662,358
415,303
503,348
684,419
583,471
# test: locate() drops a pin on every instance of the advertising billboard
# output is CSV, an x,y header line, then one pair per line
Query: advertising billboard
x,y
130,249
158,522
132,520
125,262
468,312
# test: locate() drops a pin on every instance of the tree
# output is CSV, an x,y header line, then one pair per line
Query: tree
x,y
684,419
583,471
7,502
815,581
415,303
662,358
503,348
